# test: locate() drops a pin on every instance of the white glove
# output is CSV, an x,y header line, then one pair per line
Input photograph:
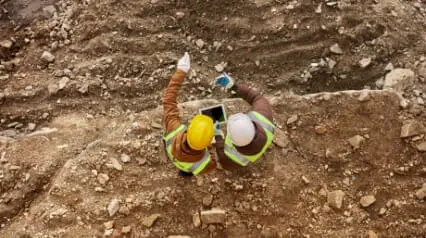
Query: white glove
x,y
184,63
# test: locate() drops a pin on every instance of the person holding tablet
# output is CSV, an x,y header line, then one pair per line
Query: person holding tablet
x,y
188,147
248,135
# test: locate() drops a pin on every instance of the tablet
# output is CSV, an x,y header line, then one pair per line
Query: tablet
x,y
217,113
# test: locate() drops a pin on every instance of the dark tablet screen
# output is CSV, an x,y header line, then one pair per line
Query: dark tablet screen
x,y
216,113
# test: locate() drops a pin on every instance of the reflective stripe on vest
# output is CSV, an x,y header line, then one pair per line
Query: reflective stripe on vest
x,y
188,167
241,159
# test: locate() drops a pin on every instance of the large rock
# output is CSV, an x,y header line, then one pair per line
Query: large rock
x,y
398,79
335,198
214,216
412,128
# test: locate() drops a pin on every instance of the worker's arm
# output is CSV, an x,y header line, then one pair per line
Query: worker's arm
x,y
226,162
258,102
171,112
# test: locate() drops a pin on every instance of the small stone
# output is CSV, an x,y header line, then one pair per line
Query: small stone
x,y
124,210
196,220
421,147
84,88
380,82
43,132
7,44
372,234
200,43
180,15
322,192
356,141
320,130
412,128
125,158
220,67
214,216
63,82
113,207
335,198
367,201
365,62
421,193
31,126
178,236
150,220
47,57
331,63
126,229
116,165
364,96
389,67
318,10
109,225
49,11
53,88
292,119
281,139
108,233
208,200
382,211
156,125
306,180
335,49
398,79
103,179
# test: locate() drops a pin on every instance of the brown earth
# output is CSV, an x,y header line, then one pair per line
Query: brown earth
x,y
116,57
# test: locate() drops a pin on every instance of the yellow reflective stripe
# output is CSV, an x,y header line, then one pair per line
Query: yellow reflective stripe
x,y
172,134
236,156
199,166
194,168
241,159
263,121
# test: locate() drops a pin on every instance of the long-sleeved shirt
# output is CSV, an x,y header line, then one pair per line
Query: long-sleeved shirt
x,y
259,104
180,148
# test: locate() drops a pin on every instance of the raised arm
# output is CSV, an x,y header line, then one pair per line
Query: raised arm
x,y
258,102
171,112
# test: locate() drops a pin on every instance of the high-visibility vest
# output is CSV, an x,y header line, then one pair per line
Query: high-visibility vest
x,y
244,160
194,168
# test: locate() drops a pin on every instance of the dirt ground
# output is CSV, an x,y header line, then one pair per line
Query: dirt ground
x,y
69,119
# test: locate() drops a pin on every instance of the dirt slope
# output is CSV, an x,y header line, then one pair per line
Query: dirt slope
x,y
100,84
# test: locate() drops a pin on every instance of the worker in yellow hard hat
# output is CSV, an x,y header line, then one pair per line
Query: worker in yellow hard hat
x,y
187,146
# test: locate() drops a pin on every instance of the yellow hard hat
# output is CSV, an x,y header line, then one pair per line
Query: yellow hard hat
x,y
200,132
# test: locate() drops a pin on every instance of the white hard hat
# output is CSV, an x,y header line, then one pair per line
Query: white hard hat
x,y
241,129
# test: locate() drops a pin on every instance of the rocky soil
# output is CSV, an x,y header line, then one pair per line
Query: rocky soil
x,y
81,85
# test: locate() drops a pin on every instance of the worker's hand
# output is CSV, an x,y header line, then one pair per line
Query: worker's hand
x,y
217,130
224,81
184,63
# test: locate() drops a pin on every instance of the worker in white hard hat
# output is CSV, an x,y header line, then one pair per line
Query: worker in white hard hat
x,y
248,134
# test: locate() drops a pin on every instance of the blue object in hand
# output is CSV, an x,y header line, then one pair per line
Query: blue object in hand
x,y
224,81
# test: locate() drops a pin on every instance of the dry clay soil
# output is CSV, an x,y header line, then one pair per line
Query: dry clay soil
x,y
100,100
